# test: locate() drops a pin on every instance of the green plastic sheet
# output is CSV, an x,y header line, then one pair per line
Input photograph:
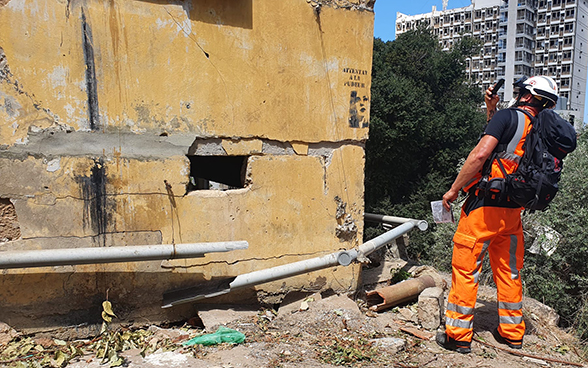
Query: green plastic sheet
x,y
223,334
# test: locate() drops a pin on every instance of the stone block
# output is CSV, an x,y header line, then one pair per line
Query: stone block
x,y
431,308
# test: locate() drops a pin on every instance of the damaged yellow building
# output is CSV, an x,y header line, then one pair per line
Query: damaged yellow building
x,y
163,122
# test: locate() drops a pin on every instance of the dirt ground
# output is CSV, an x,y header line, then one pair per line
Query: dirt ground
x,y
327,331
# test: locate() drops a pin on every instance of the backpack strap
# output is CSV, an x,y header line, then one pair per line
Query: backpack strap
x,y
506,150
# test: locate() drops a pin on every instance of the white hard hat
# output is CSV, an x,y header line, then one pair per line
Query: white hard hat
x,y
542,87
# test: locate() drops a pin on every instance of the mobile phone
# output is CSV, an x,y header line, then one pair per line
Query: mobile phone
x,y
497,86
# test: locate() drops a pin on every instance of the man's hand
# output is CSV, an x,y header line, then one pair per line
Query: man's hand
x,y
449,197
491,102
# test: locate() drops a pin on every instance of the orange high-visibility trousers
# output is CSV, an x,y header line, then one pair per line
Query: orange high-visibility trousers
x,y
499,232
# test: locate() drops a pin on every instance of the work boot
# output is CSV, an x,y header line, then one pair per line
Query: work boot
x,y
513,344
462,347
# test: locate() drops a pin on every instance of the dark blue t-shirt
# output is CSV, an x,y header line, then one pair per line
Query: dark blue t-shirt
x,y
499,126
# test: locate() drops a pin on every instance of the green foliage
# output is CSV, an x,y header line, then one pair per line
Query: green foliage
x,y
346,351
424,119
399,275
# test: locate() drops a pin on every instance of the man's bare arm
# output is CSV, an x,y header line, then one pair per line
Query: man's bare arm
x,y
470,168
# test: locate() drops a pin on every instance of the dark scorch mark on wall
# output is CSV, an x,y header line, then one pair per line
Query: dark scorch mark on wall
x,y
97,208
91,82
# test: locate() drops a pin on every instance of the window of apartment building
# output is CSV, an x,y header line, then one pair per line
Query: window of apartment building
x,y
570,13
504,16
477,27
569,27
502,44
468,15
541,18
501,58
552,56
540,45
468,28
566,69
568,41
554,29
542,4
555,2
478,14
567,55
553,43
565,83
539,58
541,31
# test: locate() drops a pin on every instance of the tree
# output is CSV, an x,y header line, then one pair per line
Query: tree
x,y
425,117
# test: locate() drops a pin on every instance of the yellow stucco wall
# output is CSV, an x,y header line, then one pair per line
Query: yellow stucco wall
x,y
101,105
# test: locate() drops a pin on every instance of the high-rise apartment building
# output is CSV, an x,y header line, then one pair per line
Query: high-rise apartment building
x,y
519,38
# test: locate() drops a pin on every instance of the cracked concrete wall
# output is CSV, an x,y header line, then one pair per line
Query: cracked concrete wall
x,y
103,102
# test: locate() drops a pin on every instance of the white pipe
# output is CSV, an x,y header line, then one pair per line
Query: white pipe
x,y
421,224
75,256
343,258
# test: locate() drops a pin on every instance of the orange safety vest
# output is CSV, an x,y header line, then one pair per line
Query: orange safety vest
x,y
509,154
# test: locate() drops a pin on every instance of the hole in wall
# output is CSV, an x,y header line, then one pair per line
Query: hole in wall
x,y
9,226
217,172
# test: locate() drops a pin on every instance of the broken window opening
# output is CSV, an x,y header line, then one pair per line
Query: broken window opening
x,y
217,172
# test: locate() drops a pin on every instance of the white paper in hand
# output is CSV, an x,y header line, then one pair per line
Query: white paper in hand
x,y
440,214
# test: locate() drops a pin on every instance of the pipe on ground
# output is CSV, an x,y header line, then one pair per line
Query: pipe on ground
x,y
401,292
76,256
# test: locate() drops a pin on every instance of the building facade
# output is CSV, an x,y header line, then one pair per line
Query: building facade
x,y
519,38
116,117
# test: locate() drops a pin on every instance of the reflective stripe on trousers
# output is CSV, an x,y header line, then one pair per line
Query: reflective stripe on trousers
x,y
497,231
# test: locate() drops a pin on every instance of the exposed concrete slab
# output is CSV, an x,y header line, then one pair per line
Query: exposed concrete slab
x,y
212,317
242,147
48,143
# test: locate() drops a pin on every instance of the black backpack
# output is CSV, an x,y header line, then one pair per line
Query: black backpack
x,y
534,184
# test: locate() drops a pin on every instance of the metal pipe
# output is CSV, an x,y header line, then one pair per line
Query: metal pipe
x,y
343,258
372,217
76,256
401,292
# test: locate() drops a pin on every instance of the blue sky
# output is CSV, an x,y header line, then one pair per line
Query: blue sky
x,y
384,26
385,10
